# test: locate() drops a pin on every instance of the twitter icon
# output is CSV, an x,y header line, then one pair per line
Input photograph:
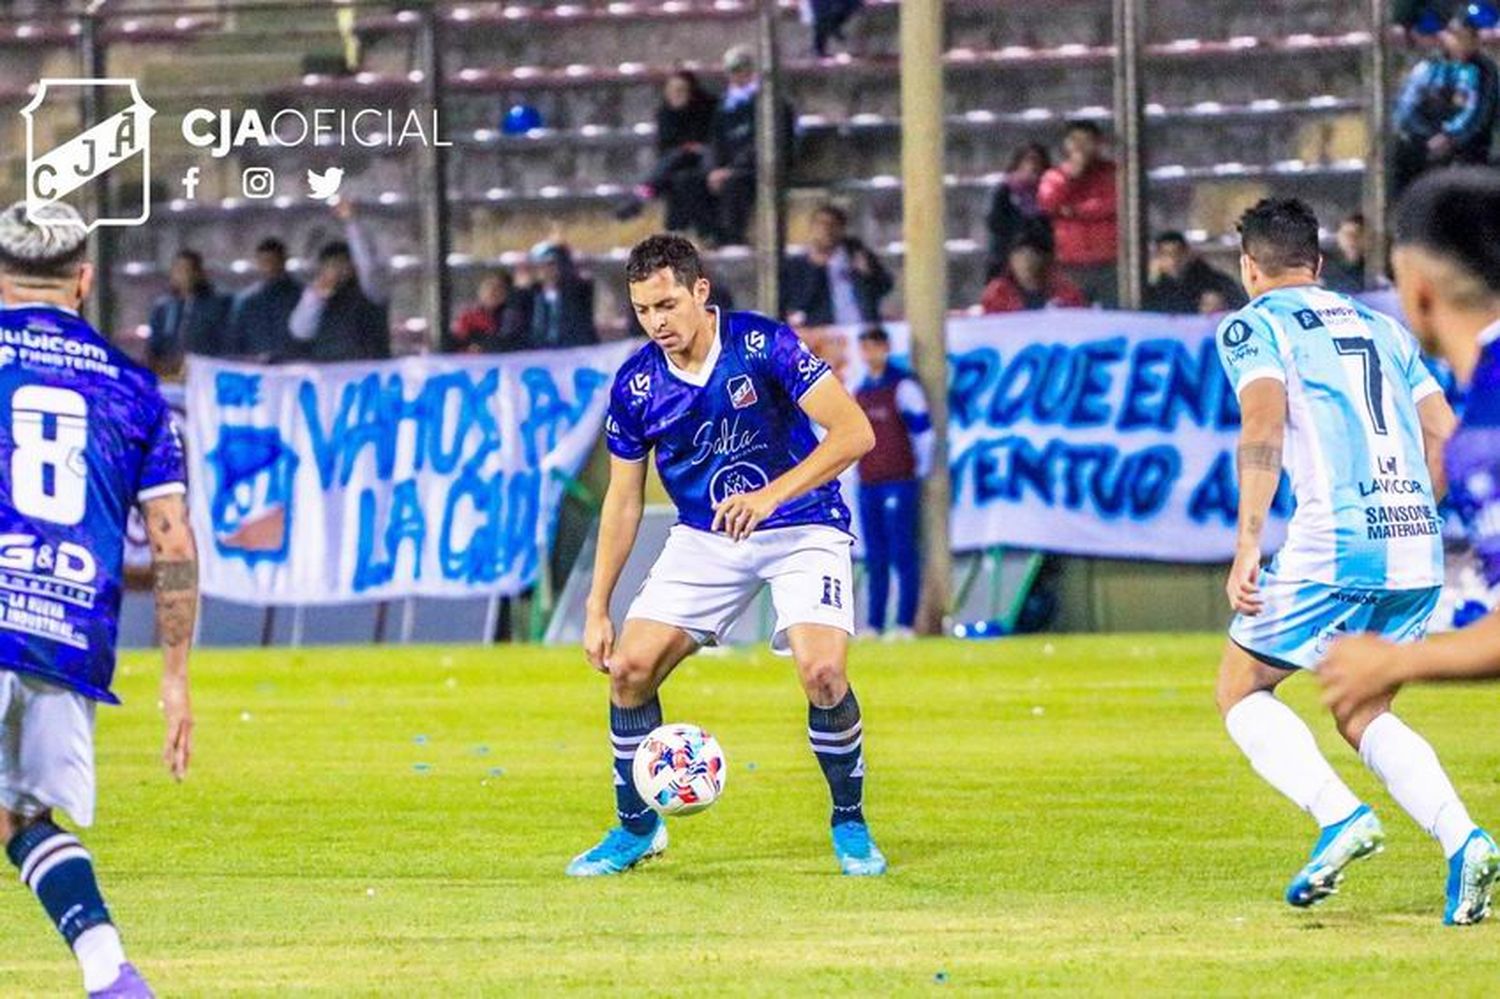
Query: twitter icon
x,y
324,186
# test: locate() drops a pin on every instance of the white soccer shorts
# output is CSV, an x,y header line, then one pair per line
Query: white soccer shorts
x,y
46,748
703,581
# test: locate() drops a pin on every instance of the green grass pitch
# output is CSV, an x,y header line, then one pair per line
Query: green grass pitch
x,y
1062,815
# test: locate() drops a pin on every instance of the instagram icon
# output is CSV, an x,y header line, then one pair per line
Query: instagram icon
x,y
258,182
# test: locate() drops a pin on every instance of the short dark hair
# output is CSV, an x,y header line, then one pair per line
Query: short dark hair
x,y
1084,125
1170,236
1280,234
1455,214
834,212
1033,241
665,249
1358,218
875,334
1029,149
191,256
271,245
336,250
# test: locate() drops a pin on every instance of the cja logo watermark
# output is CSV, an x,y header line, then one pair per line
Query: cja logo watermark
x,y
53,174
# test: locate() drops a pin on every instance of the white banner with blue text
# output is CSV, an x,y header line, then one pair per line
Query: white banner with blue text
x,y
424,476
1086,432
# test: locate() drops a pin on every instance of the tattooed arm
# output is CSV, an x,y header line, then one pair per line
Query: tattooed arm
x,y
174,559
1262,425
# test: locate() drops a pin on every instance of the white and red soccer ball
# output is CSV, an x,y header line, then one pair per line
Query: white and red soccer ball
x,y
679,769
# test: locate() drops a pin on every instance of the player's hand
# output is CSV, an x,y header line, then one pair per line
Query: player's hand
x,y
598,639
739,515
1358,669
1243,587
177,708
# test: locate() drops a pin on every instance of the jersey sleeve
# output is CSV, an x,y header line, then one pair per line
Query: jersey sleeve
x,y
1248,350
1419,377
624,434
163,471
794,365
911,401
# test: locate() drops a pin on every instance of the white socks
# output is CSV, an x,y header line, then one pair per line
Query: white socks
x,y
1283,751
100,955
1406,764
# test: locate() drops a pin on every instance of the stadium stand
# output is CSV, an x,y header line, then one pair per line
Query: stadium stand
x,y
1282,84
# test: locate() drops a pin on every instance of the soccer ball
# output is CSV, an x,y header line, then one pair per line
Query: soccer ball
x,y
679,769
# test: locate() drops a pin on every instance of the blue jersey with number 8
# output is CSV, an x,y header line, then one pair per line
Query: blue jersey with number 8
x,y
1366,516
84,436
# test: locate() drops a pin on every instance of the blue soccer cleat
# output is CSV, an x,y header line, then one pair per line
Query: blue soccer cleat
x,y
858,855
1472,871
619,851
1339,846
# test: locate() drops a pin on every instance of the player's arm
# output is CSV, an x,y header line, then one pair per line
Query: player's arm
x,y
1438,424
619,520
1258,458
174,563
848,437
1362,668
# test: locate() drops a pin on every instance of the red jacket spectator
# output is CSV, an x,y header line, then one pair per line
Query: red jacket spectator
x,y
1079,196
1004,295
1031,282
1083,214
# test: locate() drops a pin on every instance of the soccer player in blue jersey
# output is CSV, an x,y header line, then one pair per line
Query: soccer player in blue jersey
x,y
1447,262
1337,394
728,401
84,436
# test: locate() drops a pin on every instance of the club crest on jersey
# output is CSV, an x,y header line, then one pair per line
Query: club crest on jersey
x,y
731,480
640,384
742,392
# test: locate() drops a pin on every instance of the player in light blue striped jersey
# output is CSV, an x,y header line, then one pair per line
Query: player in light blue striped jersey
x,y
1337,395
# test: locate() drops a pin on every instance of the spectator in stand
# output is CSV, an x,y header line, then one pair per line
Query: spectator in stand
x,y
839,280
191,318
684,126
890,477
499,321
1031,281
1344,268
730,182
343,314
260,316
559,297
1446,112
1184,283
828,18
1078,195
1014,213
